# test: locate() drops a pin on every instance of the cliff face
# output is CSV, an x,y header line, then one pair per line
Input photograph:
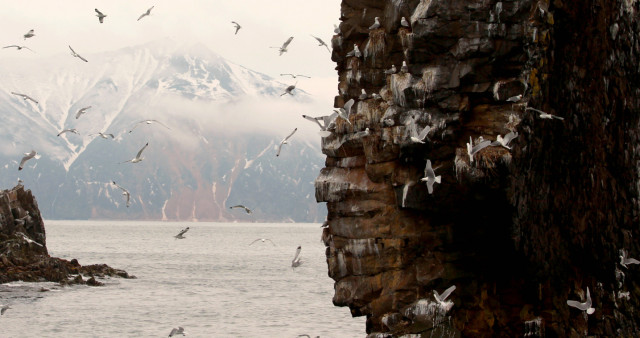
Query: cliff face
x,y
23,250
518,231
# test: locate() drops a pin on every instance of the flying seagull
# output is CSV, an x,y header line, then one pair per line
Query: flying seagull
x,y
27,157
18,47
624,259
103,135
285,141
472,150
179,236
344,113
404,22
430,177
240,206
441,298
100,16
289,89
73,52
544,115
29,34
504,141
321,43
138,157
355,52
296,262
179,330
72,130
327,120
4,308
295,75
125,192
82,111
263,240
283,49
26,97
237,26
376,24
148,122
586,306
391,70
418,137
148,12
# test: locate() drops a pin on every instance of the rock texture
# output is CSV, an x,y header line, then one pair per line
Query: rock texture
x,y
23,250
519,231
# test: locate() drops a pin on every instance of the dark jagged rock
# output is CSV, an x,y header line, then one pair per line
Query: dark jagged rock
x,y
23,250
518,231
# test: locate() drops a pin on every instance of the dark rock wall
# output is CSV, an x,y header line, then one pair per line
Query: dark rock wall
x,y
517,231
19,213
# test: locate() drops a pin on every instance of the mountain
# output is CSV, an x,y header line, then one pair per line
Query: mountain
x,y
214,145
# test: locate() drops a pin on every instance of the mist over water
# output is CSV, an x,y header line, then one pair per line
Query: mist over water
x,y
212,283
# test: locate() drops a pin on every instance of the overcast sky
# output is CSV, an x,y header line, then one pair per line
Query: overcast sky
x,y
264,24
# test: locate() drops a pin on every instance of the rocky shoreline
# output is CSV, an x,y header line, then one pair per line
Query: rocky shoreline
x,y
23,251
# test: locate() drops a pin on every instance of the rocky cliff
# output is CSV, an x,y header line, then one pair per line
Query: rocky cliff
x,y
519,230
23,249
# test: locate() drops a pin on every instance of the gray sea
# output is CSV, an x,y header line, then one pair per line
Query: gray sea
x,y
212,283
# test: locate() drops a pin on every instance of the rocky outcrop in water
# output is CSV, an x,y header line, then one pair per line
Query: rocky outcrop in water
x,y
519,231
23,249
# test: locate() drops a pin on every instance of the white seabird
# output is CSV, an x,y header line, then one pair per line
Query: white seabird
x,y
82,111
240,206
100,16
504,141
344,113
25,97
179,330
404,22
404,68
586,306
321,43
18,47
441,298
73,52
27,156
430,177
284,47
289,89
182,232
472,150
125,192
625,259
285,141
376,23
148,122
336,29
363,94
515,98
391,70
29,34
148,12
327,120
103,135
355,52
72,130
297,261
138,157
295,75
28,240
544,115
237,26
263,240
414,135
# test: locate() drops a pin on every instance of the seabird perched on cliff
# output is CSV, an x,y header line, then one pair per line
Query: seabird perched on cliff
x,y
544,115
179,235
289,89
179,330
26,157
29,34
297,261
625,259
586,306
404,68
25,97
336,29
284,47
237,26
376,23
441,298
285,141
148,12
505,141
472,150
296,75
74,54
430,177
515,98
363,94
125,192
355,52
27,239
148,122
321,43
404,22
4,308
18,47
72,130
82,111
391,70
100,16
138,157
240,206
327,120
103,135
263,240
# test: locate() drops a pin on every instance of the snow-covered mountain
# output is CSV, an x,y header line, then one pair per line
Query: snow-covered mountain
x,y
223,123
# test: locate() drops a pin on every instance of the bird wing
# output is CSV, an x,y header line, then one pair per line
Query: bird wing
x,y
289,136
183,231
116,184
274,244
27,97
27,157
509,137
577,305
141,150
447,292
174,331
347,107
286,43
632,261
480,146
99,13
160,123
428,170
300,75
436,295
12,46
81,58
313,119
279,148
424,132
142,16
295,258
73,52
255,241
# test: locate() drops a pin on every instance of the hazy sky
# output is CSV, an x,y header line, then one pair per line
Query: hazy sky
x,y
264,24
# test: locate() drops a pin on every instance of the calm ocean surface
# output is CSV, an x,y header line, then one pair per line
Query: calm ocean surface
x,y
212,283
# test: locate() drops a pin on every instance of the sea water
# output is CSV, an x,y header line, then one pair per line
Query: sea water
x,y
212,283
